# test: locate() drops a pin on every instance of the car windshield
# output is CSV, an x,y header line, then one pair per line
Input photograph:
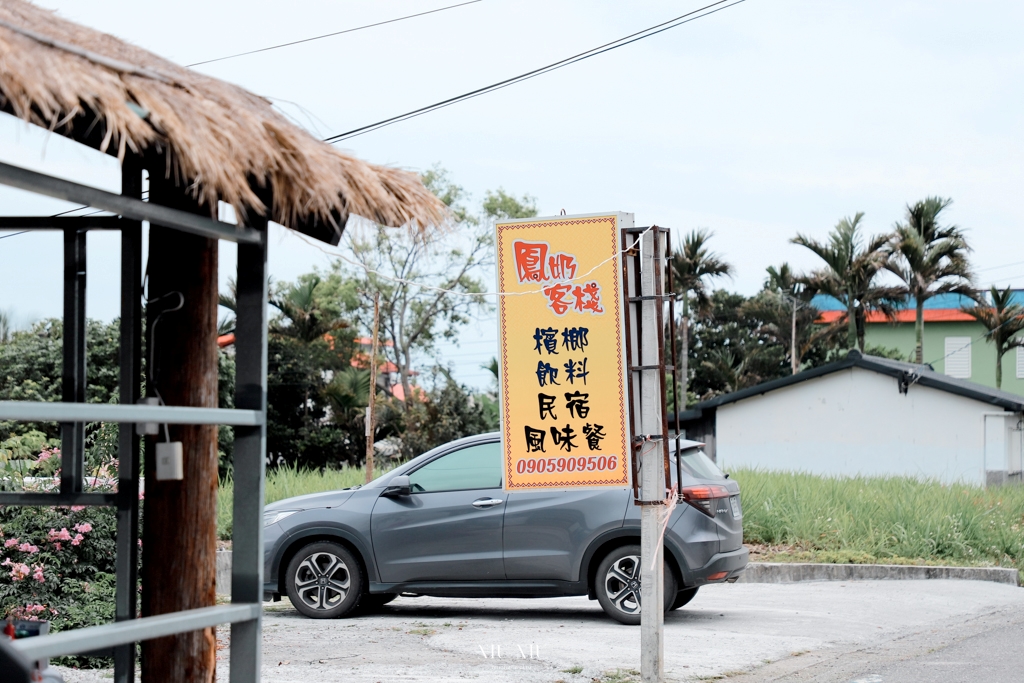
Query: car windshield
x,y
698,465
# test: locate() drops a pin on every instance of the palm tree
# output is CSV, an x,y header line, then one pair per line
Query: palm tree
x,y
692,265
795,330
930,259
1003,320
301,307
851,267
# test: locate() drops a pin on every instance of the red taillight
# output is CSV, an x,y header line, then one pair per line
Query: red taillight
x,y
717,576
703,497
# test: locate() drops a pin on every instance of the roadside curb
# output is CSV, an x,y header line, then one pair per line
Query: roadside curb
x,y
791,572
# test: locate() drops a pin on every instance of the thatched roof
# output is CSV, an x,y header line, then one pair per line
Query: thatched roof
x,y
219,138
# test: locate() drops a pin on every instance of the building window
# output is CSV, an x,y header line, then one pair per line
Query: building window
x,y
1020,363
958,357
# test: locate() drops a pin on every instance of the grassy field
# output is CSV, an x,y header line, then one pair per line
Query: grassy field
x,y
895,520
793,517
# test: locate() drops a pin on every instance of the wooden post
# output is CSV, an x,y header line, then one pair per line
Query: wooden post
x,y
180,517
652,472
372,400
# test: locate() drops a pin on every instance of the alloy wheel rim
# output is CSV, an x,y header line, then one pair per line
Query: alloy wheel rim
x,y
622,584
322,581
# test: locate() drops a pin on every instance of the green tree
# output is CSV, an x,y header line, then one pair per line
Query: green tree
x,y
851,269
501,205
929,258
773,307
30,370
1004,320
730,349
6,327
429,284
450,411
693,265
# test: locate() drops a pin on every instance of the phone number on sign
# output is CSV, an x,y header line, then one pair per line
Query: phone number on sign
x,y
580,464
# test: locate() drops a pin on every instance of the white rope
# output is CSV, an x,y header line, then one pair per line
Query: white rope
x,y
402,281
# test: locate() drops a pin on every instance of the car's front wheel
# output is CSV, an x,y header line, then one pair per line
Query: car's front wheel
x,y
374,601
324,580
618,585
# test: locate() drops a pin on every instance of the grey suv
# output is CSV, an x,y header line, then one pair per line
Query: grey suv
x,y
441,525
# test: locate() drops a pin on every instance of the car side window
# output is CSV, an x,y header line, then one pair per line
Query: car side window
x,y
473,467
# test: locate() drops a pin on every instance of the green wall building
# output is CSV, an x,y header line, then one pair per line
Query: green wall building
x,y
955,344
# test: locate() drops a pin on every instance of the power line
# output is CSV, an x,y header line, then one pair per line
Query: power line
x,y
316,244
336,33
13,234
593,52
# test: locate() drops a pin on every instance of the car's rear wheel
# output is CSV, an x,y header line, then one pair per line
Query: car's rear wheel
x,y
618,585
324,581
684,596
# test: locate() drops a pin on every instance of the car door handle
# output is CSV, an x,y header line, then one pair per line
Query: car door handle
x,y
487,502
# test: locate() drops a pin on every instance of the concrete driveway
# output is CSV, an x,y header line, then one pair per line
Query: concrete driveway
x,y
853,631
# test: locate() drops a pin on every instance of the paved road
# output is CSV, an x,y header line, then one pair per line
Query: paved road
x,y
905,631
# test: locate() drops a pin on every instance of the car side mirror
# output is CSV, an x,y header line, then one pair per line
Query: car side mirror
x,y
399,486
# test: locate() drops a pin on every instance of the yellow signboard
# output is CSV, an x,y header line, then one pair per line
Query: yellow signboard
x,y
560,327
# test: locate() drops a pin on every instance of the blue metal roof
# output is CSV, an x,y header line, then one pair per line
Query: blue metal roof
x,y
824,302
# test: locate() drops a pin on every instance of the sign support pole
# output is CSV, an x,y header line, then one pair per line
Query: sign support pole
x,y
652,474
371,418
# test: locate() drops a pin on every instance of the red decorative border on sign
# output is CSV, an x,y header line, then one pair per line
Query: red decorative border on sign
x,y
504,364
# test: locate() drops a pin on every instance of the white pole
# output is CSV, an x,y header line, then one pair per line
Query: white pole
x,y
652,473
792,351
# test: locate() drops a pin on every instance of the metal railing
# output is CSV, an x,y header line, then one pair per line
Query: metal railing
x,y
248,419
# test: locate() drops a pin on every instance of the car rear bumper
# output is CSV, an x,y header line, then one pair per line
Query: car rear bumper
x,y
723,567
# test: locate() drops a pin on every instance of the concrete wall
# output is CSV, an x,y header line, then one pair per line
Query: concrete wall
x,y
856,422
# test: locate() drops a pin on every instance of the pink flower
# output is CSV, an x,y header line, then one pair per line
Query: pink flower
x,y
77,508
28,548
62,535
19,571
77,539
11,542
84,527
57,546
37,573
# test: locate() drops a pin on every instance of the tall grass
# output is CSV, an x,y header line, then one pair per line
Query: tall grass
x,y
287,482
874,519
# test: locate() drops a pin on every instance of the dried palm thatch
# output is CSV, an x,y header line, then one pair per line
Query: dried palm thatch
x,y
222,140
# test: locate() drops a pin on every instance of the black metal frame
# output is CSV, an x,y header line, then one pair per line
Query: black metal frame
x,y
249,417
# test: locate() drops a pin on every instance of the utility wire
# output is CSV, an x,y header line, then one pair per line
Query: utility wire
x,y
336,33
593,52
402,281
63,213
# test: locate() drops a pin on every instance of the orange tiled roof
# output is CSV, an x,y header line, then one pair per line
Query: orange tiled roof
x,y
931,315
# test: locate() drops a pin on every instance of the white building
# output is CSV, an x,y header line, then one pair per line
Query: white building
x,y
866,415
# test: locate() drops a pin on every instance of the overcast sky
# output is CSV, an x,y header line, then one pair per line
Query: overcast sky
x,y
769,118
